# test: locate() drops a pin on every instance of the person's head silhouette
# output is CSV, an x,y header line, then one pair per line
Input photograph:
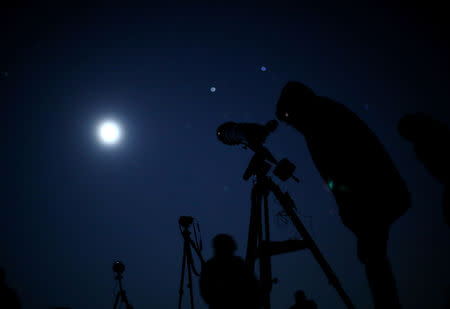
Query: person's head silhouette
x,y
224,245
300,297
296,105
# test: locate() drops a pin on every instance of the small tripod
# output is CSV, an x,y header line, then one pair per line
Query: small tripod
x,y
184,223
263,248
119,268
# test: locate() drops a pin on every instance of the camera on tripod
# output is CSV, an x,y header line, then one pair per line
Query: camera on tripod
x,y
185,221
119,267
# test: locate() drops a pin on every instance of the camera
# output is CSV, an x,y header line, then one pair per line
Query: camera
x,y
118,267
185,221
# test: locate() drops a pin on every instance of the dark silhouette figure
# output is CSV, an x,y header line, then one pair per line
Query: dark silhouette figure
x,y
431,140
367,187
226,281
302,303
8,297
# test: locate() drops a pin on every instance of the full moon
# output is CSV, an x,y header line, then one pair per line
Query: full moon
x,y
109,132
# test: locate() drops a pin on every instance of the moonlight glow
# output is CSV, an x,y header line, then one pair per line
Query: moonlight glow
x,y
109,132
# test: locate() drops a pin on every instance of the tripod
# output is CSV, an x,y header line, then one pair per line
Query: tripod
x,y
119,268
184,223
259,244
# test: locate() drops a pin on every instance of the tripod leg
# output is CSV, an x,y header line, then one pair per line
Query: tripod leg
x,y
264,261
190,265
183,267
254,229
288,205
117,300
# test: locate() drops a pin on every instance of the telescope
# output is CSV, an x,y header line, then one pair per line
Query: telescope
x,y
248,134
259,245
253,136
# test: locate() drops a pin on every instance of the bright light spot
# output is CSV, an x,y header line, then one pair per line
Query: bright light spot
x,y
331,184
286,115
213,89
263,68
109,132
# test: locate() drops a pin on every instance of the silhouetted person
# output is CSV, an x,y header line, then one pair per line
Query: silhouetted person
x,y
302,303
367,187
226,281
431,140
8,297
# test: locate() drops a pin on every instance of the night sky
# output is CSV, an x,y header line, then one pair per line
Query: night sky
x,y
70,206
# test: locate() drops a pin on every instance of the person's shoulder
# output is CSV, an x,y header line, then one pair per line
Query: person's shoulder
x,y
209,264
330,102
337,113
238,261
